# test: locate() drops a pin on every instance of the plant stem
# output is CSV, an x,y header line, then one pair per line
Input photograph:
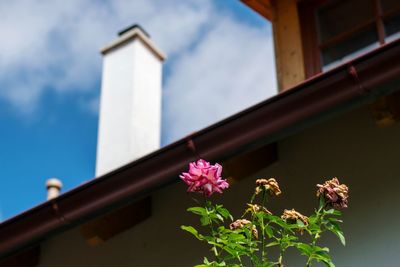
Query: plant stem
x,y
280,260
317,234
263,250
240,260
319,218
282,248
207,206
251,250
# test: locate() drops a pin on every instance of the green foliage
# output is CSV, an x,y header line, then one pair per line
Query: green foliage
x,y
262,231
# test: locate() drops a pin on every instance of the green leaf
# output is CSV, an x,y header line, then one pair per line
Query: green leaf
x,y
205,221
334,227
211,264
272,244
189,229
305,249
300,223
333,212
341,238
198,210
312,219
321,202
220,217
269,231
224,212
334,220
329,263
193,231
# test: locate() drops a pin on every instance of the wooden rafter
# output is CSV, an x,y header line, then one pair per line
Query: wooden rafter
x,y
104,228
262,7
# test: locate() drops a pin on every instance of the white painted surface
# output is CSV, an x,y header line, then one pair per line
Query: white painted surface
x,y
130,105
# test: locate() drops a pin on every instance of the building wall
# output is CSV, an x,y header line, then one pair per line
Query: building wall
x,y
350,147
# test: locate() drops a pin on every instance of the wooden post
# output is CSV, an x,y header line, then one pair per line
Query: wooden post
x,y
289,56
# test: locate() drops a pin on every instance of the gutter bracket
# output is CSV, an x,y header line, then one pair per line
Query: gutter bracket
x,y
56,209
192,147
354,74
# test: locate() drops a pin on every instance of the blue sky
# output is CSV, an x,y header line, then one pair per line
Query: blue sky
x,y
50,71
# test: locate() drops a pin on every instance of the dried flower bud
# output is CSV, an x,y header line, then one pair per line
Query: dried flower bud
x,y
254,231
239,224
291,216
253,208
335,194
270,185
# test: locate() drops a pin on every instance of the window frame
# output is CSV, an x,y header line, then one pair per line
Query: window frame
x,y
312,48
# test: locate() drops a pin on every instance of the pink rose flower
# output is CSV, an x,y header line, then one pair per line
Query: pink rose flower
x,y
204,178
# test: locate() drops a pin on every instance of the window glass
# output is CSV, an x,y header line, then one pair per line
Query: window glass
x,y
349,48
348,28
340,16
392,28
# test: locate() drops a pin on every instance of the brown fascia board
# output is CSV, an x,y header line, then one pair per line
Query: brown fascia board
x,y
265,7
262,7
347,86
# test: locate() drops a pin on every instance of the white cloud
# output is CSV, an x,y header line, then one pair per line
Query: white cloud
x,y
231,68
217,64
54,44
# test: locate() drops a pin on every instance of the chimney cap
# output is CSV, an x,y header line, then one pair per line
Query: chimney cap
x,y
137,26
132,33
54,182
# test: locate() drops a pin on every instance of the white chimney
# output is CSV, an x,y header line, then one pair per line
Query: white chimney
x,y
130,104
53,186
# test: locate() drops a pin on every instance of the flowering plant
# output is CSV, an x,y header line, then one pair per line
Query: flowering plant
x,y
252,238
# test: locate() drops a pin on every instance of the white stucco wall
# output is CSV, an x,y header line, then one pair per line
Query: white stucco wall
x,y
130,106
350,147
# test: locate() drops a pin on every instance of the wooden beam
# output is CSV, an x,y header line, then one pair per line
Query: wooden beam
x,y
104,228
289,56
27,258
251,162
262,7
